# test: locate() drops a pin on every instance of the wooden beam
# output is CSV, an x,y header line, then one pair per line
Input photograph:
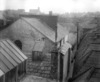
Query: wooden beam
x,y
4,78
17,74
58,77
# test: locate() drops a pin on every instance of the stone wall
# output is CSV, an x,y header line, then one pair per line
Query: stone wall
x,y
41,69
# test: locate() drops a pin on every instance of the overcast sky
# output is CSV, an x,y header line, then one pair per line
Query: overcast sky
x,y
57,6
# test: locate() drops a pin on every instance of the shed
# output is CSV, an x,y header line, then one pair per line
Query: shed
x,y
12,62
37,52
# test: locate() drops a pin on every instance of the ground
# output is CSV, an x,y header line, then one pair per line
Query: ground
x,y
31,78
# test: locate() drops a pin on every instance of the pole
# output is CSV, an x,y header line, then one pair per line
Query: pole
x,y
58,77
77,34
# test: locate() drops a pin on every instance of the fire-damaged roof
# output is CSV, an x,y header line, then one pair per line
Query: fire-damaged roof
x,y
10,56
88,54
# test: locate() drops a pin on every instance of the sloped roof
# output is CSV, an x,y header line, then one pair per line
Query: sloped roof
x,y
46,30
70,27
61,32
88,54
10,55
41,27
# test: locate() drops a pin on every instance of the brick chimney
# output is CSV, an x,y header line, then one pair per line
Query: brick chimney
x,y
50,13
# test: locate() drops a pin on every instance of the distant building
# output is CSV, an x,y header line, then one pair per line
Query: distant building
x,y
50,13
35,11
2,19
1,15
21,10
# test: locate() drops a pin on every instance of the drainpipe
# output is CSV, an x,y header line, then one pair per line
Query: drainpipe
x,y
77,24
58,74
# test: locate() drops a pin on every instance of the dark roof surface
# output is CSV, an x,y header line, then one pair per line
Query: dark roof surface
x,y
41,27
88,54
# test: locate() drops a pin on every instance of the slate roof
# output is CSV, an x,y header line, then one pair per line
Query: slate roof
x,y
47,31
88,54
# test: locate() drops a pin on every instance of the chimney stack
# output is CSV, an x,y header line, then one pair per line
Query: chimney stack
x,y
50,13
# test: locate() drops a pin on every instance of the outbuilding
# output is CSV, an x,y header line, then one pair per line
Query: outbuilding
x,y
12,62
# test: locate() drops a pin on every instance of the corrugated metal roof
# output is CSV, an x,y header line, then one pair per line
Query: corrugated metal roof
x,y
3,67
17,49
10,55
8,51
41,27
6,61
10,58
13,50
1,73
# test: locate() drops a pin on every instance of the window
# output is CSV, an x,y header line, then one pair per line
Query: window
x,y
18,43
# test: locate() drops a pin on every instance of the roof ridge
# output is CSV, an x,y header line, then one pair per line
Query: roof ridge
x,y
36,28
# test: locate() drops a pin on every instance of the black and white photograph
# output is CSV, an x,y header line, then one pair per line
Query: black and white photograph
x,y
49,40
